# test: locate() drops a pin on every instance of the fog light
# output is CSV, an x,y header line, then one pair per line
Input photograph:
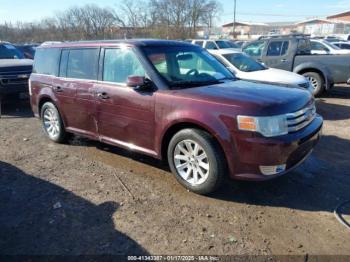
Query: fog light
x,y
272,170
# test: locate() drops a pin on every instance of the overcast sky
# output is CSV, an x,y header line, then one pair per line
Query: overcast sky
x,y
247,10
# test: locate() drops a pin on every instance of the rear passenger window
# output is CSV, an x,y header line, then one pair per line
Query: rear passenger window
x,y
285,47
119,64
83,63
46,61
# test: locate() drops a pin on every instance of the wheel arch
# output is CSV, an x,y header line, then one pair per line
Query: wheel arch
x,y
44,99
176,127
321,70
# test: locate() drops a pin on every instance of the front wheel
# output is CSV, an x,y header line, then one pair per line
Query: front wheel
x,y
197,161
316,81
52,123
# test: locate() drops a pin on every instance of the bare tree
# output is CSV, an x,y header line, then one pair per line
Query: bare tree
x,y
172,19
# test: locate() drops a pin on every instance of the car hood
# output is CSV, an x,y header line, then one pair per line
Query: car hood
x,y
252,98
272,75
15,62
340,52
8,66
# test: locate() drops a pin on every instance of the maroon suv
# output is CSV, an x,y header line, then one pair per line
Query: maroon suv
x,y
172,100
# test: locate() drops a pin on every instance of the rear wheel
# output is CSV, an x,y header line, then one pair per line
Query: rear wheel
x,y
316,81
52,123
196,160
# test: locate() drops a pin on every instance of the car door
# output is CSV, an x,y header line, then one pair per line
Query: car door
x,y
277,55
125,116
78,75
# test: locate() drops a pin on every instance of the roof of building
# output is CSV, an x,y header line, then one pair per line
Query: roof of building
x,y
340,14
244,24
322,20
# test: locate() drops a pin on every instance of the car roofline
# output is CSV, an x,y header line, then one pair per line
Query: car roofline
x,y
129,43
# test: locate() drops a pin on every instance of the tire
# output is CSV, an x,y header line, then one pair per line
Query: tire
x,y
52,123
316,81
199,174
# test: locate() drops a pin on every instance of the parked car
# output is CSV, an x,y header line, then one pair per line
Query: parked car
x,y
343,45
240,44
323,47
14,72
173,100
293,53
215,44
246,68
27,50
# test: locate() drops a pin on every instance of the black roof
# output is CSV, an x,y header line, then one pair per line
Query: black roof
x,y
133,42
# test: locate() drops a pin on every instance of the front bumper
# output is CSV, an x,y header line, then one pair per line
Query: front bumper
x,y
13,89
290,150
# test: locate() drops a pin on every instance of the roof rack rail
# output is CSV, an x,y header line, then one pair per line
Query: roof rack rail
x,y
287,35
51,43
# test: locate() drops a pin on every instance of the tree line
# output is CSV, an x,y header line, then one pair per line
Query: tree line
x,y
171,19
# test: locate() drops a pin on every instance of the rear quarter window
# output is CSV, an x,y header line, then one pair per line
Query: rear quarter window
x,y
46,61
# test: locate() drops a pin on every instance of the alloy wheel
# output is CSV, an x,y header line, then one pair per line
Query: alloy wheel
x,y
191,162
51,122
313,82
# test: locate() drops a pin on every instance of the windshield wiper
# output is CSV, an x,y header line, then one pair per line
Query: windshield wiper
x,y
194,83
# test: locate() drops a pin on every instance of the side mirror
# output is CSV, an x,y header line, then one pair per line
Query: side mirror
x,y
139,83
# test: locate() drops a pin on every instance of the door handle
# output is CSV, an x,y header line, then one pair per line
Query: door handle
x,y
283,60
103,95
58,89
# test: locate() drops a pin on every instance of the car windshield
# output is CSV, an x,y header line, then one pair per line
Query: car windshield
x,y
226,44
187,66
244,63
8,51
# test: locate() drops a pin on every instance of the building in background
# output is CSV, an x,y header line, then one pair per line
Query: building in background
x,y
337,24
247,30
323,27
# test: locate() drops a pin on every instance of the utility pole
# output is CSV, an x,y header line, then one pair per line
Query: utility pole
x,y
234,21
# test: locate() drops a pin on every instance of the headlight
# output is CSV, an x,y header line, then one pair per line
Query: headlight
x,y
268,126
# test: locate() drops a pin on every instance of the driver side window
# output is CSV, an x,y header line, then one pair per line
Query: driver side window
x,y
254,49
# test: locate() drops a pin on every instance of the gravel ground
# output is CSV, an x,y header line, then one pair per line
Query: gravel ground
x,y
89,198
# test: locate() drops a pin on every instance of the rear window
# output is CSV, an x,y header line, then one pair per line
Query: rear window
x,y
83,63
46,61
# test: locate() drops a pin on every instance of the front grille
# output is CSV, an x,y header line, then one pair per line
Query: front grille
x,y
304,85
14,78
301,118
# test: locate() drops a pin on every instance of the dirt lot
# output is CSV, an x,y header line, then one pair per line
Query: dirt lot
x,y
90,198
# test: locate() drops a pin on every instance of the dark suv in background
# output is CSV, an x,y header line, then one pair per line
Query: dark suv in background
x,y
173,101
28,50
14,72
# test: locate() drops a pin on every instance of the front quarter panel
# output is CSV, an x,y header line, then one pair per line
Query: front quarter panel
x,y
218,121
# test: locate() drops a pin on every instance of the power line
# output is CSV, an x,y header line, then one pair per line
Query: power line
x,y
277,15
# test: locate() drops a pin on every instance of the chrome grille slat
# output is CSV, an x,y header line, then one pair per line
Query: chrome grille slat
x,y
302,118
